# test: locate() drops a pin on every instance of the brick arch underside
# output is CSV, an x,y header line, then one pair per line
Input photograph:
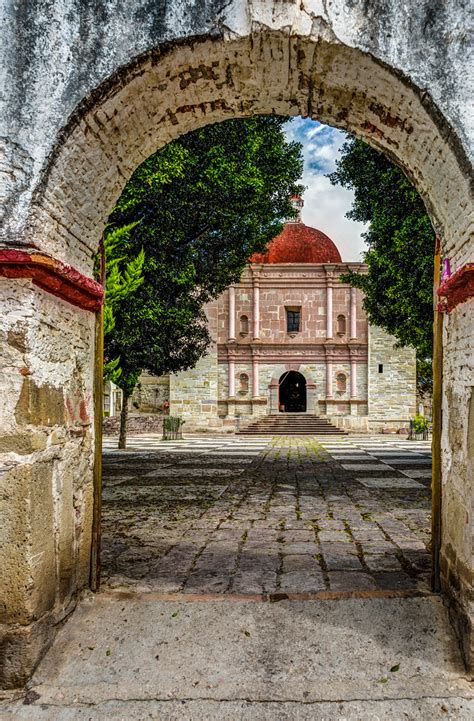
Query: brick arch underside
x,y
178,89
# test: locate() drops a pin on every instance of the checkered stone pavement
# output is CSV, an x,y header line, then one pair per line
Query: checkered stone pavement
x,y
239,516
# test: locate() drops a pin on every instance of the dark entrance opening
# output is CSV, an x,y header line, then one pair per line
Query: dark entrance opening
x,y
292,392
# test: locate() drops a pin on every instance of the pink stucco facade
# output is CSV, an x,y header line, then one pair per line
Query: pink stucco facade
x,y
330,348
348,372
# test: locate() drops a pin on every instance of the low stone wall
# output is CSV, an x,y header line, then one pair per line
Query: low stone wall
x,y
355,424
401,427
137,423
364,424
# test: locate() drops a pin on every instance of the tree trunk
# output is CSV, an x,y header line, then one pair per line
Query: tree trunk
x,y
123,421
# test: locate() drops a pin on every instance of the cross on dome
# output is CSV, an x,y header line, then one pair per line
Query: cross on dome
x,y
297,203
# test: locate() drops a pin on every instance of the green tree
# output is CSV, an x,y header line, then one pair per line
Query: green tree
x,y
202,206
124,276
398,286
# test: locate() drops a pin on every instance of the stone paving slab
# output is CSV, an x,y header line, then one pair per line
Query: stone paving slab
x,y
389,482
361,656
364,466
211,518
416,473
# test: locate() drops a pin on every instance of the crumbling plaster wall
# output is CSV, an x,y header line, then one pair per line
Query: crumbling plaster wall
x,y
56,52
90,92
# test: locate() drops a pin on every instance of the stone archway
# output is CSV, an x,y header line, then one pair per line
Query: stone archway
x,y
48,424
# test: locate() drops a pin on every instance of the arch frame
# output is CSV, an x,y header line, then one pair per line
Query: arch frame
x,y
181,86
158,96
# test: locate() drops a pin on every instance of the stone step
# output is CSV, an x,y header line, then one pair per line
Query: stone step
x,y
295,424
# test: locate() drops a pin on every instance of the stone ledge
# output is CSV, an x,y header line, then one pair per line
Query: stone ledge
x,y
53,276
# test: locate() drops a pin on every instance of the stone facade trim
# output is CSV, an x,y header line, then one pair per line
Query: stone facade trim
x,y
275,353
277,275
53,276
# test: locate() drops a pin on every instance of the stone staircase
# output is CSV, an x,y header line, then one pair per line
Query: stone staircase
x,y
290,424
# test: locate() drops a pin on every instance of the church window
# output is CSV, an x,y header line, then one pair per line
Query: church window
x,y
244,325
380,367
293,320
341,382
341,325
244,383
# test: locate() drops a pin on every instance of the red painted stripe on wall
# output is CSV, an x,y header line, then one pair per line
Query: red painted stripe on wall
x,y
458,288
53,276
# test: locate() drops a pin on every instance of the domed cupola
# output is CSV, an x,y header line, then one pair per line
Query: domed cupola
x,y
298,243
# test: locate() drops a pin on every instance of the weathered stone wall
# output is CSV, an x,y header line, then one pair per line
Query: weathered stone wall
x,y
137,423
91,91
46,447
151,394
392,392
457,523
193,395
56,54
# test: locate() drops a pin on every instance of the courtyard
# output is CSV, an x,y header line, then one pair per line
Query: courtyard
x,y
258,578
262,516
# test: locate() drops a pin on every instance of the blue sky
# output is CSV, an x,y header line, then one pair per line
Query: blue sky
x,y
325,205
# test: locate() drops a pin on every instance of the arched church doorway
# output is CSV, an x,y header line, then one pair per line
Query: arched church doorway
x,y
292,397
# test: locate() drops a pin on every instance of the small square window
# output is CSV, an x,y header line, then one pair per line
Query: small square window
x,y
293,320
380,367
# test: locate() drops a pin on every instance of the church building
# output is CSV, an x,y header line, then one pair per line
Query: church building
x,y
290,337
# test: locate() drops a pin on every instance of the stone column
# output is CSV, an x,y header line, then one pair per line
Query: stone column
x,y
353,314
231,377
274,390
231,387
255,379
353,378
47,435
329,393
231,313
256,309
329,309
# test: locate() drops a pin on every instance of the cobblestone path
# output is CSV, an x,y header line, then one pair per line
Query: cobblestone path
x,y
211,515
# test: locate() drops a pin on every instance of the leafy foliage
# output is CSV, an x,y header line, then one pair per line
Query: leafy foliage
x,y
172,426
398,286
420,424
124,276
199,208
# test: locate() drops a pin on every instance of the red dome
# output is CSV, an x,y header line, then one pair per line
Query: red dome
x,y
298,243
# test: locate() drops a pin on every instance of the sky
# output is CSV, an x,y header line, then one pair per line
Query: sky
x,y
326,205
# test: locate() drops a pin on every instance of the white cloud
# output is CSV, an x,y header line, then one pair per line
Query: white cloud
x,y
326,205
